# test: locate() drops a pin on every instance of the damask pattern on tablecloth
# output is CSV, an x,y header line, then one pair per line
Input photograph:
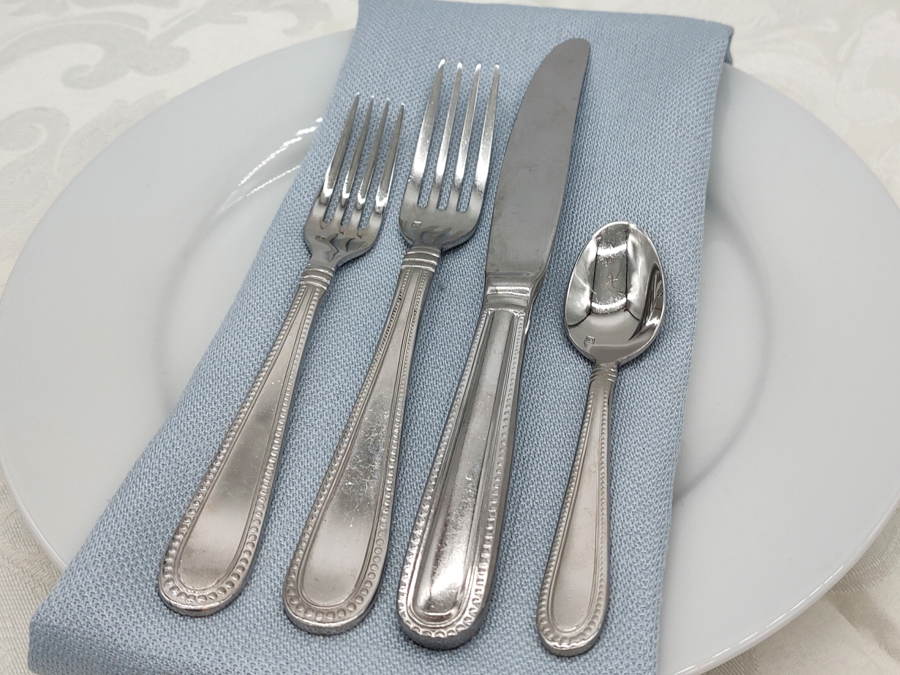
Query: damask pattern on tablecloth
x,y
26,576
75,74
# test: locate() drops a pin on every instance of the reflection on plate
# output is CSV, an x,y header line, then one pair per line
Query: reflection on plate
x,y
788,468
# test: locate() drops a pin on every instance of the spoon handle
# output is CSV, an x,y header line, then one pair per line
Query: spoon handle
x,y
337,567
573,597
446,579
209,557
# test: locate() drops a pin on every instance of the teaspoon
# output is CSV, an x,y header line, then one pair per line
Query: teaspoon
x,y
614,307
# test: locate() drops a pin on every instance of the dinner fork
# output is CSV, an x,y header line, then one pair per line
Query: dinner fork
x,y
338,564
209,557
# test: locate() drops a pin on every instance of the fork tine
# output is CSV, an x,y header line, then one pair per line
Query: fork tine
x,y
387,173
487,138
373,157
337,159
350,178
420,159
463,156
441,167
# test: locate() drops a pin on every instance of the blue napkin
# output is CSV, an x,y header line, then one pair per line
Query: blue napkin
x,y
641,153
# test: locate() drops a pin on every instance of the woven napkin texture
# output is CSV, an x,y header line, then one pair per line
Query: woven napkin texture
x,y
641,153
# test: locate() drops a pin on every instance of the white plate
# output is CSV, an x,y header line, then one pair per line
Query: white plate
x,y
789,466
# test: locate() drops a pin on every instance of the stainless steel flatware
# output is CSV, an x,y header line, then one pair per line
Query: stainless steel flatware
x,y
614,308
210,555
446,579
337,568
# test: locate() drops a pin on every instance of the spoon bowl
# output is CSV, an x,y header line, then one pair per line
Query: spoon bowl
x,y
616,297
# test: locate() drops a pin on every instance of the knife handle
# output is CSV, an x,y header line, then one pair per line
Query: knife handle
x,y
337,567
572,603
210,555
446,579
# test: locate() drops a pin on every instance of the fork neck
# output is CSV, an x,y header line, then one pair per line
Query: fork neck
x,y
424,257
317,274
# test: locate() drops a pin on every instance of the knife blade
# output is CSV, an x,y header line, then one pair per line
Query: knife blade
x,y
452,555
535,166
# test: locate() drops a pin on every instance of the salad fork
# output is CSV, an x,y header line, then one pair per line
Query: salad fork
x,y
338,564
209,557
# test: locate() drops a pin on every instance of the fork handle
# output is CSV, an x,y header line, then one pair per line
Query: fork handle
x,y
446,580
339,560
210,555
572,603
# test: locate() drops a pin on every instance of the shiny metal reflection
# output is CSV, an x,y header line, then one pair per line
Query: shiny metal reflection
x,y
614,308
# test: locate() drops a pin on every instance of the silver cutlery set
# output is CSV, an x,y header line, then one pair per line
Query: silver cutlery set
x,y
613,311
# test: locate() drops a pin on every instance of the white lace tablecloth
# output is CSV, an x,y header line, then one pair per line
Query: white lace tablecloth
x,y
75,74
